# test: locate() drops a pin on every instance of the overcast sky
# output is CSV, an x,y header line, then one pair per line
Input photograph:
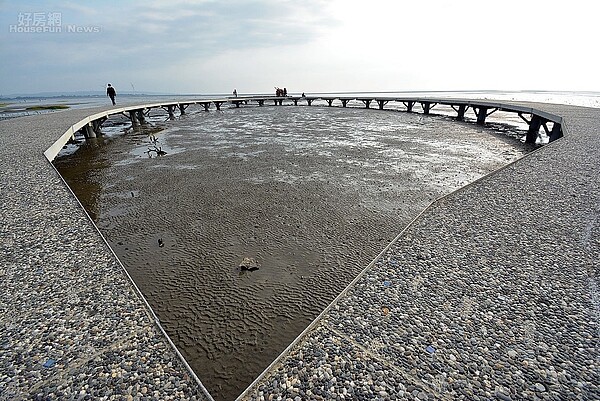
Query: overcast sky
x,y
205,46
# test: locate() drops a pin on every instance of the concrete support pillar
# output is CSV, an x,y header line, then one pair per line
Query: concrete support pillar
x,y
426,107
329,102
261,102
170,110
89,131
481,113
345,102
295,102
133,118
367,102
140,116
218,105
409,106
461,112
382,103
206,105
534,127
182,108
556,132
97,125
309,101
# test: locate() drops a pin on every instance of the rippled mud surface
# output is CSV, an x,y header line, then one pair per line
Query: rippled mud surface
x,y
309,194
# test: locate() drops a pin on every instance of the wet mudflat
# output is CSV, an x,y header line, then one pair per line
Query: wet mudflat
x,y
310,195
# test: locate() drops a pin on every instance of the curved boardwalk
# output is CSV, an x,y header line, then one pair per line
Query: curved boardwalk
x,y
490,293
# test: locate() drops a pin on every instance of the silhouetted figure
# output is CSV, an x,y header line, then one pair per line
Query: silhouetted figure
x,y
110,92
284,91
235,93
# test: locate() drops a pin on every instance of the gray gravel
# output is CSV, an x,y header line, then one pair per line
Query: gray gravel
x,y
492,293
72,325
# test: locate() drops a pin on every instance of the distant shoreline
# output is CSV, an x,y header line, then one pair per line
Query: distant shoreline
x,y
561,97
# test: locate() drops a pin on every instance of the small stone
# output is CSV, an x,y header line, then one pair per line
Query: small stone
x,y
503,397
539,387
49,363
249,264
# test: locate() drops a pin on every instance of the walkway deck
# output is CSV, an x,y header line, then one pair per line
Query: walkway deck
x,y
491,292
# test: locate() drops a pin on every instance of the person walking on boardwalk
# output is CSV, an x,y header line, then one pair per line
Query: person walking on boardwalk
x,y
110,92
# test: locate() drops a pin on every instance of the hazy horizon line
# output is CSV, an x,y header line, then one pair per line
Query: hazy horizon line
x,y
53,94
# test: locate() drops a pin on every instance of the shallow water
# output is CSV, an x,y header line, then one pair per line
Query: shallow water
x,y
312,194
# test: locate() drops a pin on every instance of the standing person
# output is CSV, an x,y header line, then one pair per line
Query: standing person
x,y
110,92
235,93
